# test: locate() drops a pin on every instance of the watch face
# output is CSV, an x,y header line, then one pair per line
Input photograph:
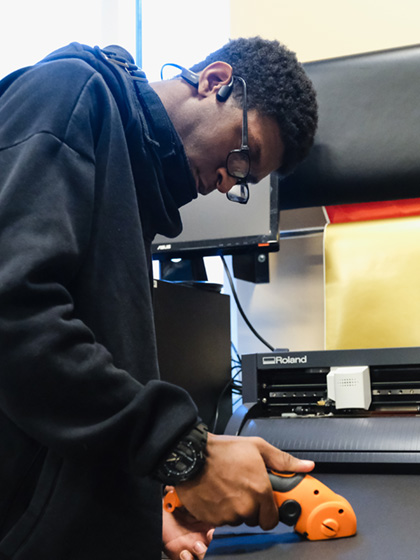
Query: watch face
x,y
186,459
182,461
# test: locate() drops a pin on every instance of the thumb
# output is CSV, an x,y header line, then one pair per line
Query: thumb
x,y
281,461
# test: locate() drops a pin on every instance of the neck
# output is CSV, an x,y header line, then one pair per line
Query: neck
x,y
174,94
178,99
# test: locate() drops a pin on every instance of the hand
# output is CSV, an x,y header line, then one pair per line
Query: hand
x,y
183,537
233,486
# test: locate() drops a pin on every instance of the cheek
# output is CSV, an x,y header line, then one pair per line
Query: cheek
x,y
208,152
207,157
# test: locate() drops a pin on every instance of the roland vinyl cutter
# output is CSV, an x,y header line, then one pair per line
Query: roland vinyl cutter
x,y
339,406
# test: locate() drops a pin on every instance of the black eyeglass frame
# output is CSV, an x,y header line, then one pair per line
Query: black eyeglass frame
x,y
240,192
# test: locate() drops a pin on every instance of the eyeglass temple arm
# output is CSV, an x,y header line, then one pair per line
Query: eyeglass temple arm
x,y
244,115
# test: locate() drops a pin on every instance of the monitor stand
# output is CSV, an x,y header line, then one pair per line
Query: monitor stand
x,y
186,269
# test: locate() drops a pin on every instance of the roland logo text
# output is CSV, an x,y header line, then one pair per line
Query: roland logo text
x,y
274,360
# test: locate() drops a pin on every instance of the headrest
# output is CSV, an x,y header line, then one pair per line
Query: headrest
x,y
367,146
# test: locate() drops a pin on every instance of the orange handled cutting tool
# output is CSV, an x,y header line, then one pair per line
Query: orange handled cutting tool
x,y
315,511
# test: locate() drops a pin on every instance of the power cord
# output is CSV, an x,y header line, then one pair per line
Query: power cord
x,y
239,306
235,383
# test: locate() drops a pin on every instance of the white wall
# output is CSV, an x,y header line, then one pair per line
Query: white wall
x,y
288,312
30,29
181,31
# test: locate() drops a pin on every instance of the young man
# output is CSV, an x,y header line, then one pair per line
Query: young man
x,y
94,162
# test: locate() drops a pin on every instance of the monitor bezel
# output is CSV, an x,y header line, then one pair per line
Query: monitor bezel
x,y
261,243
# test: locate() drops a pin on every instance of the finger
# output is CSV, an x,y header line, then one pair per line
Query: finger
x,y
186,555
290,463
281,461
262,508
199,550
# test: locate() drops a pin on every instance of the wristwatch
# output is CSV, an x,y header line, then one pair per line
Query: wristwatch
x,y
186,459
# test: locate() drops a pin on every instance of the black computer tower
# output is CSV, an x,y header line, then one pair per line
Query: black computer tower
x,y
193,337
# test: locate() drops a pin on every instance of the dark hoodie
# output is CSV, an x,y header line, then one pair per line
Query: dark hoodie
x,y
90,169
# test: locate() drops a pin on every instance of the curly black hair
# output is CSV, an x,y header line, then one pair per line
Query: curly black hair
x,y
277,86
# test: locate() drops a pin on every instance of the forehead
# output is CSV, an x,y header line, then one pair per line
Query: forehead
x,y
266,145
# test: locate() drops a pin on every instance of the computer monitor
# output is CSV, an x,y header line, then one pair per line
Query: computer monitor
x,y
212,225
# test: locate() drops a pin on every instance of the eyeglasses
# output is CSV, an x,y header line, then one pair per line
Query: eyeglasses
x,y
238,161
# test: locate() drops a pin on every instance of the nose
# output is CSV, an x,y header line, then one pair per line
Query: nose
x,y
224,181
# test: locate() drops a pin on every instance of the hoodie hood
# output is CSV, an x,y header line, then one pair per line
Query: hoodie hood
x,y
148,128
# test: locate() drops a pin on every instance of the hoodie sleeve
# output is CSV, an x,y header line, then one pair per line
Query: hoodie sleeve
x,y
57,382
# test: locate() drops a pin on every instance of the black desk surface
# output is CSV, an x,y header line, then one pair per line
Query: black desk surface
x,y
387,508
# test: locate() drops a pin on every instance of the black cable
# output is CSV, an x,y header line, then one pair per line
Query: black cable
x,y
241,311
234,384
238,358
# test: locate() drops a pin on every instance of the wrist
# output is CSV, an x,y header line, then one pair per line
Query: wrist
x,y
186,459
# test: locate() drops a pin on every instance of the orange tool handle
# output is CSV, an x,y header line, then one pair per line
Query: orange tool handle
x,y
315,510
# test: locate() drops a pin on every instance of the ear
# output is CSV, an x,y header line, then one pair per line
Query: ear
x,y
214,77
